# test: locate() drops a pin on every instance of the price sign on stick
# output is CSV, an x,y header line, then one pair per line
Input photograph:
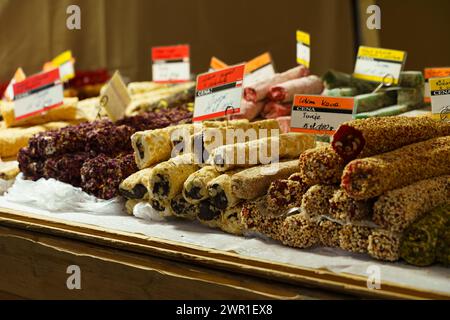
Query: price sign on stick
x,y
259,69
217,92
433,73
217,64
319,114
65,63
37,94
303,48
115,98
440,98
373,64
171,64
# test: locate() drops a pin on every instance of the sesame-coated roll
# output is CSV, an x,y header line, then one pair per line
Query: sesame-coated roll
x,y
299,231
420,240
321,165
253,182
101,176
368,137
183,209
256,218
266,150
396,210
371,177
354,238
167,178
135,186
316,201
285,194
384,245
347,209
195,188
443,247
328,232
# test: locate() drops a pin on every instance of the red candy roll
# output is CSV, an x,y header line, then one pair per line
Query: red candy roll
x,y
368,137
273,110
259,91
286,91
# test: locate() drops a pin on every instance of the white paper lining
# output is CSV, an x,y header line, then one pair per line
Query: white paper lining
x,y
431,279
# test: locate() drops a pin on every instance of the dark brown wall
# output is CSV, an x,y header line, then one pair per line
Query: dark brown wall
x,y
118,34
421,27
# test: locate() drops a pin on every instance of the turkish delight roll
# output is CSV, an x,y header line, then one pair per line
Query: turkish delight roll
x,y
321,165
31,167
183,209
329,233
167,178
316,201
253,182
109,139
373,101
384,245
354,238
266,150
419,242
370,177
347,209
66,168
135,186
368,137
195,188
220,191
396,210
102,175
299,231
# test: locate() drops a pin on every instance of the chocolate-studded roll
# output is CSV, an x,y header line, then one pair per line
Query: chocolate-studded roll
x,y
167,178
230,220
183,209
135,186
369,137
195,188
371,177
209,215
220,191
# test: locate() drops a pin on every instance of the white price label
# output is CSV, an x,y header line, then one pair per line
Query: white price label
x,y
37,94
171,64
115,98
374,64
303,48
219,93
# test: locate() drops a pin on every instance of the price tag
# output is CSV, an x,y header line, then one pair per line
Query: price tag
x,y
37,94
217,64
440,98
433,73
217,92
319,114
303,48
19,75
65,63
171,64
373,64
115,98
259,69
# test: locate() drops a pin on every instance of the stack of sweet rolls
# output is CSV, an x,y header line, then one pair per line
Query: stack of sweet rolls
x,y
207,181
371,191
95,156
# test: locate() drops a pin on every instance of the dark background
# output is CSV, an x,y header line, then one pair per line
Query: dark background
x,y
118,34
